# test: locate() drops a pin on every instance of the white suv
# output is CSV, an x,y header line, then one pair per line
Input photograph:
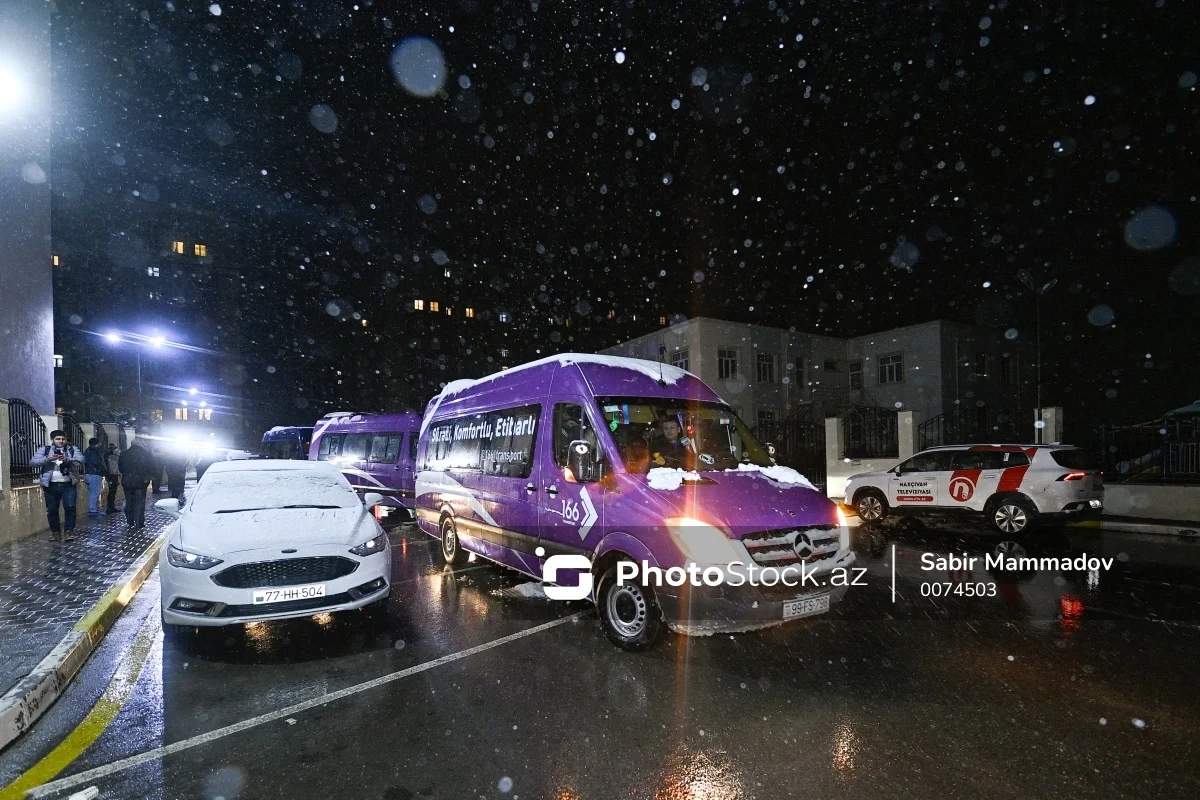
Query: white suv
x,y
1011,486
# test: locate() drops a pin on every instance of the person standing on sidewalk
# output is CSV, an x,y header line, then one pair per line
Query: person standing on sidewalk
x,y
93,473
137,470
60,464
175,464
112,473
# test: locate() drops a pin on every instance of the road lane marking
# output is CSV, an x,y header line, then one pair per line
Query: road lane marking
x,y
91,776
97,720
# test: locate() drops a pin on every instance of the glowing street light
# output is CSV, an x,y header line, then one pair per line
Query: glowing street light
x,y
156,340
113,337
11,90
193,390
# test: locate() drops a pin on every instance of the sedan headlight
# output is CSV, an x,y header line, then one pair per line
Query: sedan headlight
x,y
701,542
182,558
371,547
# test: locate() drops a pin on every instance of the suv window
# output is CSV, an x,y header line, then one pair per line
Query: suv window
x,y
1073,459
989,459
933,461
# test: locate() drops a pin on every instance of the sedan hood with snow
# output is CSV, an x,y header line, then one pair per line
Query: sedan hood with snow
x,y
275,527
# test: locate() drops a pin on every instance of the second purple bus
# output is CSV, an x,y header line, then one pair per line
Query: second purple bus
x,y
375,451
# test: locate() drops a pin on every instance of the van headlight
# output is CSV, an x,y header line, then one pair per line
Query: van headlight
x,y
701,542
182,558
371,546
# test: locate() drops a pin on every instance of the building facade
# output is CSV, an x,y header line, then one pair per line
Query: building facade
x,y
966,374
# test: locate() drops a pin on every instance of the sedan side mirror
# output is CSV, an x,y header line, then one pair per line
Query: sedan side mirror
x,y
372,499
169,505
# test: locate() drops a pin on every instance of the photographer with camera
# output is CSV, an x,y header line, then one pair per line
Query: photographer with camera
x,y
61,465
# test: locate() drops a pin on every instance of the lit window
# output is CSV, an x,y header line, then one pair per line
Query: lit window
x,y
201,250
177,247
181,413
469,313
58,360
157,415
568,322
504,316
446,272
449,312
418,305
662,320
434,306
504,352
155,296
152,272
54,260
612,313
204,414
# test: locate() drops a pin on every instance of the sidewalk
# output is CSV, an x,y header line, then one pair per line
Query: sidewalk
x,y
48,588
1163,527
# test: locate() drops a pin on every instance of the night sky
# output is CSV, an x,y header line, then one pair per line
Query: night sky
x,y
837,167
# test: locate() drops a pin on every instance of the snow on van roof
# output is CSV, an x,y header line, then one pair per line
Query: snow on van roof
x,y
652,369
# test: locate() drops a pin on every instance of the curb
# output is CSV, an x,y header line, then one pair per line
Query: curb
x,y
33,695
1184,529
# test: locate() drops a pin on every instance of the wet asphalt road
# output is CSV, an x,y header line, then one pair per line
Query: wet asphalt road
x,y
1071,684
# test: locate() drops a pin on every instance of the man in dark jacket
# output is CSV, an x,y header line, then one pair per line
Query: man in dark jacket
x,y
60,464
137,469
93,473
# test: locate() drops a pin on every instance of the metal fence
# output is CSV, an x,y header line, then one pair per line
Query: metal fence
x,y
871,432
799,444
74,431
1160,452
26,433
987,426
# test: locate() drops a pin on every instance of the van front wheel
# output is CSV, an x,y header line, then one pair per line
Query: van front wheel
x,y
629,612
452,549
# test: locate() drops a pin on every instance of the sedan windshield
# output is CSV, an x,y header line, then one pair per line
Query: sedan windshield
x,y
682,434
256,490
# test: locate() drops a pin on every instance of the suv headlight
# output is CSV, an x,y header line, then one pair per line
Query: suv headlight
x,y
371,546
182,558
701,542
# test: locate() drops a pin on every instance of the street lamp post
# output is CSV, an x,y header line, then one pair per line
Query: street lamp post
x,y
1027,279
139,340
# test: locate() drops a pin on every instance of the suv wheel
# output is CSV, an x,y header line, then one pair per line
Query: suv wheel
x,y
871,506
1011,515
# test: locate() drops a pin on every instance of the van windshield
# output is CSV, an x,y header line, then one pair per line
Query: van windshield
x,y
682,434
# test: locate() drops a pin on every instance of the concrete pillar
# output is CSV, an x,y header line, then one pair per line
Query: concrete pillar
x,y
906,431
835,441
1051,431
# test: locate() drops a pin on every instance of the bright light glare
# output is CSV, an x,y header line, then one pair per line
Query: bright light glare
x,y
157,341
193,390
113,337
11,90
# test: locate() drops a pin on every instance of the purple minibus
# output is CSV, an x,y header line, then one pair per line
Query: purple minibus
x,y
375,451
625,465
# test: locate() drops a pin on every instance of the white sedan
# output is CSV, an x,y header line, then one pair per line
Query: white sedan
x,y
265,540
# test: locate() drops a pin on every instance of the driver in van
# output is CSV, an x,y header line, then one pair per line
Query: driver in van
x,y
666,447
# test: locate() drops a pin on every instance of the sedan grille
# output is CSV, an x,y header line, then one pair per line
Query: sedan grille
x,y
792,546
286,572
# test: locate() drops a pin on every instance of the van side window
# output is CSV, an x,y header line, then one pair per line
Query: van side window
x,y
413,441
393,447
570,425
331,446
378,450
355,447
496,443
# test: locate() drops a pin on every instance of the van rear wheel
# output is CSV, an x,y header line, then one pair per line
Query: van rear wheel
x,y
452,550
629,612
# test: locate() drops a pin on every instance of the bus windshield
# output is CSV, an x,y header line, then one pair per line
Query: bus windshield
x,y
681,434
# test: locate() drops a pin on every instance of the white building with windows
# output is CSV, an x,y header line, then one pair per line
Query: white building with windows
x,y
769,374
